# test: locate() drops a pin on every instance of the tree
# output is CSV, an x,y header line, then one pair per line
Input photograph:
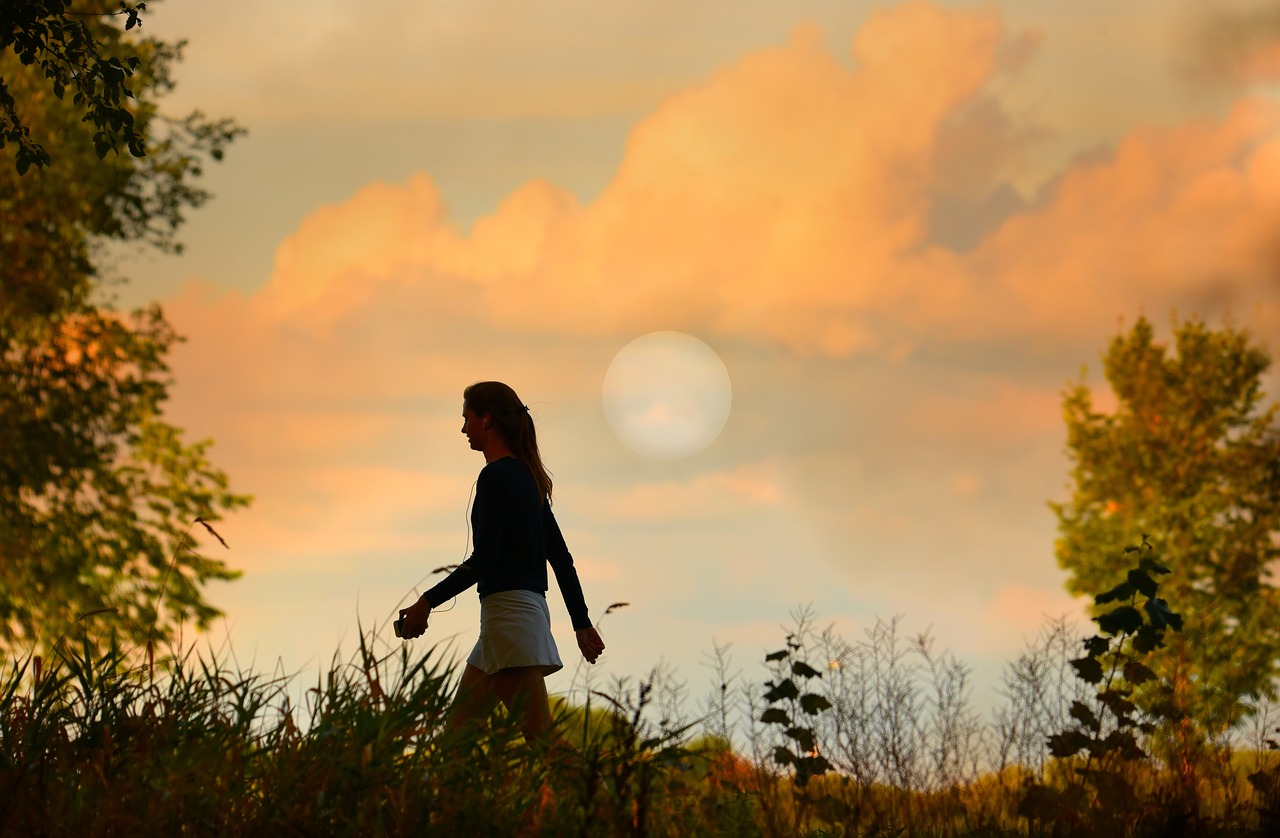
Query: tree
x,y
98,493
65,49
1190,456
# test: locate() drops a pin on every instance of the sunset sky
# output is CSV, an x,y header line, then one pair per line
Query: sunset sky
x,y
903,228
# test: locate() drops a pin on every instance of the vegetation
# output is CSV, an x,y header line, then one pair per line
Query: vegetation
x,y
1190,454
97,490
877,737
69,50
100,499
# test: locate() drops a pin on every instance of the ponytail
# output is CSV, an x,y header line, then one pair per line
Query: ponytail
x,y
511,417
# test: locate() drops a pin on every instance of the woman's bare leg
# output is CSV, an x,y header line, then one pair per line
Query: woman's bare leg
x,y
523,690
474,700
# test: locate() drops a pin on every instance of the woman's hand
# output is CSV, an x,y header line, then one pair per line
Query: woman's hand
x,y
590,643
415,619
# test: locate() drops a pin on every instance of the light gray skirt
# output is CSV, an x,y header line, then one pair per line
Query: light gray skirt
x,y
515,630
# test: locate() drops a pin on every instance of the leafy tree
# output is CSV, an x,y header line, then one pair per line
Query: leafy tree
x,y
1190,456
97,492
68,52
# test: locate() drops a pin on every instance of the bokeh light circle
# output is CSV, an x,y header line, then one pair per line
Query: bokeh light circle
x,y
667,395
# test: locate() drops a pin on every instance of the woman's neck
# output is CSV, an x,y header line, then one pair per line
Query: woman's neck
x,y
496,450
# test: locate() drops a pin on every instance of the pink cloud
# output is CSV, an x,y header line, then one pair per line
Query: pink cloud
x,y
710,496
1179,217
787,201
1022,610
788,198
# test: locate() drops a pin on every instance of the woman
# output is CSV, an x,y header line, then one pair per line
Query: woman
x,y
515,537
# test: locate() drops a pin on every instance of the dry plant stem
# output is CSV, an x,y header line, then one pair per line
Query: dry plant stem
x,y
207,743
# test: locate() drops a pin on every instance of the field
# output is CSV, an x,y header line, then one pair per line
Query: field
x,y
876,737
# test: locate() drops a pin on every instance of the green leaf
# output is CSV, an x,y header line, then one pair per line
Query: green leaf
x,y
1082,713
1068,743
813,704
1118,703
1097,645
784,690
809,767
775,716
803,738
817,765
1122,620
1148,639
1151,566
1144,583
804,670
1161,616
1089,670
1119,593
1137,673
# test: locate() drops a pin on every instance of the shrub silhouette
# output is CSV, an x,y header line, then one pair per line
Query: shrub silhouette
x,y
869,738
1107,732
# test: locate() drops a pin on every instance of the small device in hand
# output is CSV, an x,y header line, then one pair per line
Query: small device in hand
x,y
399,627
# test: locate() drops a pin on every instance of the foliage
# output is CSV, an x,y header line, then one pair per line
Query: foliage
x,y
1265,780
55,218
70,50
791,708
893,727
191,744
97,490
1107,730
94,742
1190,454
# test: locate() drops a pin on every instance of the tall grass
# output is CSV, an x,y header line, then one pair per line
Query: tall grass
x,y
874,737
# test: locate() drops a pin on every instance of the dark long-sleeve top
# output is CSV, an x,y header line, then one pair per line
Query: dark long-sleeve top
x,y
516,536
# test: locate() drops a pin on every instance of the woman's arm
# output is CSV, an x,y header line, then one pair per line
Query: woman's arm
x,y
566,574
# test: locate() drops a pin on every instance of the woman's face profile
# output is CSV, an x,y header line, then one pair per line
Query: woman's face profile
x,y
473,428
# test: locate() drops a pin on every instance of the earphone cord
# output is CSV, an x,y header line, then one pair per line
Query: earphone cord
x,y
465,549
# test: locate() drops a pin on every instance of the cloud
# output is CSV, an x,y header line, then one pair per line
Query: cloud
x,y
706,497
1020,610
792,199
1237,41
495,59
336,511
789,200
845,227
1182,217
994,411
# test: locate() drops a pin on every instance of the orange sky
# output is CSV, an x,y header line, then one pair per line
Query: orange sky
x,y
904,227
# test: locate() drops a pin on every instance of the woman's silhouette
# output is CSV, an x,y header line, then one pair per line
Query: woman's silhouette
x,y
515,536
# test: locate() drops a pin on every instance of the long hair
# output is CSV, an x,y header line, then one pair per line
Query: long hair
x,y
511,417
